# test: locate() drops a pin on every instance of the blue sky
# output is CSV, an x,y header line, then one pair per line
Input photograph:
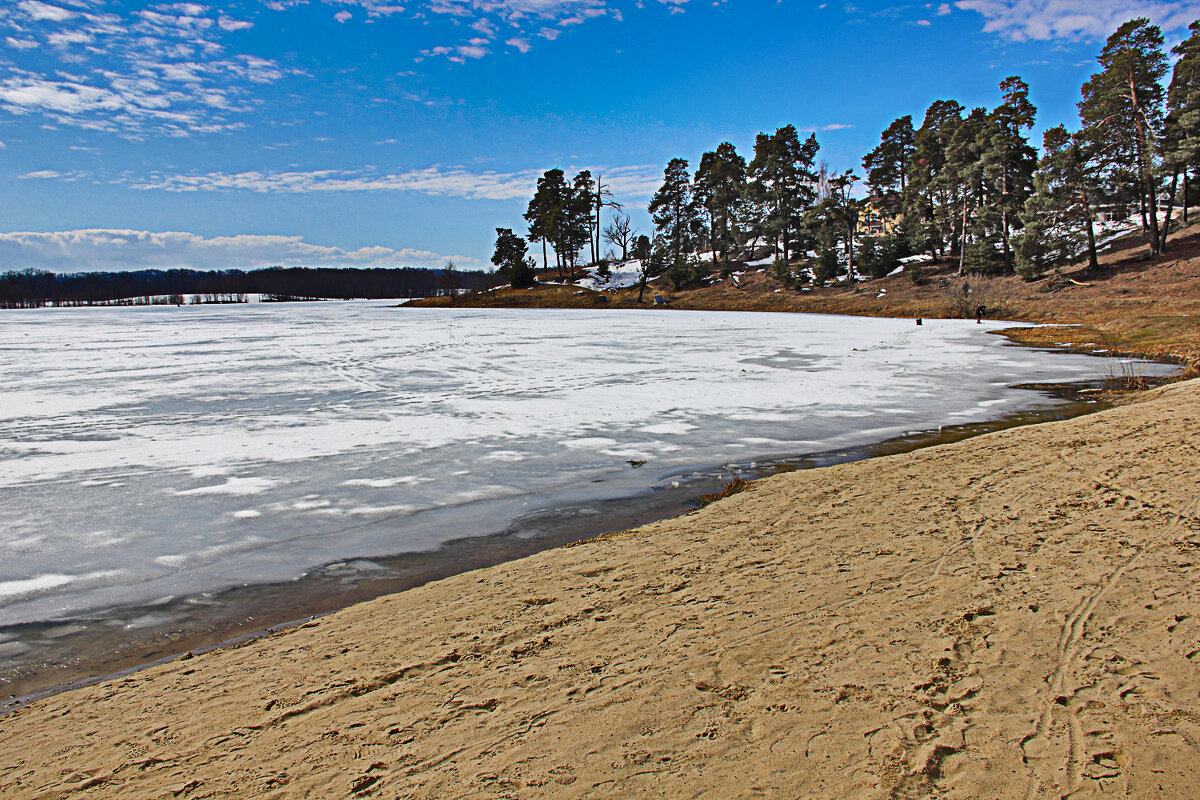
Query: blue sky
x,y
388,133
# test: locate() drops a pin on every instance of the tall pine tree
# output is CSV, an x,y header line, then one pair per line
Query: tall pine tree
x,y
1122,115
887,166
1181,133
929,209
1058,215
720,188
675,213
545,212
783,182
1009,160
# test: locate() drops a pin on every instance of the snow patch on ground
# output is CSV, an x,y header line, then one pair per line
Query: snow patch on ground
x,y
623,274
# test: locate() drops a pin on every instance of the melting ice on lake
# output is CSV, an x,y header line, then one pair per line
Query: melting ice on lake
x,y
161,452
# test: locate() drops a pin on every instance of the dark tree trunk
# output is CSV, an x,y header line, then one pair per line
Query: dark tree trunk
x,y
1166,226
1093,264
1008,265
962,240
1155,239
1185,193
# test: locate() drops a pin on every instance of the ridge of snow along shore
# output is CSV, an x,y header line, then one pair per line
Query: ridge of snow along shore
x,y
1009,616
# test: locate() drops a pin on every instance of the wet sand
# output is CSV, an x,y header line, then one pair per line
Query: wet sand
x,y
1009,616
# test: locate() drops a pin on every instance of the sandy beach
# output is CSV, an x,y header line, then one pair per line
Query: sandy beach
x,y
1010,616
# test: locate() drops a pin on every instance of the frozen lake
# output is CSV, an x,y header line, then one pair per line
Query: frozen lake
x,y
160,452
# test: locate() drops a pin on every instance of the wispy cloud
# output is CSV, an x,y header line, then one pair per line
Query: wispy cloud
x,y
163,69
374,8
1021,20
38,11
518,19
115,249
833,126
634,182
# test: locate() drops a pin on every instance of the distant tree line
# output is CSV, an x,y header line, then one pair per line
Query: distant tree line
x,y
32,288
966,185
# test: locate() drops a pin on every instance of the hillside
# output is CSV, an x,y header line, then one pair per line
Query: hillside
x,y
1133,304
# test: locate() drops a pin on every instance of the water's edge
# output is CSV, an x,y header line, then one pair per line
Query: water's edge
x,y
93,650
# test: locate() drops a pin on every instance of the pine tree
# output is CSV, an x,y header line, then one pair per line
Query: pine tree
x,y
545,214
928,207
1009,160
1181,134
512,258
1122,115
887,166
1058,215
783,181
641,248
575,223
720,188
962,182
675,213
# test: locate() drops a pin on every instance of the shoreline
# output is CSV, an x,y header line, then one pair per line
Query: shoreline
x,y
945,622
260,610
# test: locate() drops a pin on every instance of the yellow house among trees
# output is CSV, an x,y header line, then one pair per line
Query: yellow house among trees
x,y
874,222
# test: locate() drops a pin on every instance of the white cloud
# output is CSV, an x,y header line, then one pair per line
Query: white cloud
x,y
461,52
69,38
32,94
546,18
634,182
374,8
833,126
1022,20
343,15
187,9
943,9
105,249
44,11
162,70
230,24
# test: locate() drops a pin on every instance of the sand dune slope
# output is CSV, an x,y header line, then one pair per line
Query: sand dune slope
x,y
1017,615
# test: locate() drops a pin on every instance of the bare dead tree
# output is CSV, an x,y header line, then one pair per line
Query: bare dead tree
x,y
621,233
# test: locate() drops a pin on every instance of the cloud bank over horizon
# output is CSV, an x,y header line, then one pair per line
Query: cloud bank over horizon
x,y
104,249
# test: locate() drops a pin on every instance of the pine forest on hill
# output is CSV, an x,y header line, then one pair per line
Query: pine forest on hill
x,y
965,185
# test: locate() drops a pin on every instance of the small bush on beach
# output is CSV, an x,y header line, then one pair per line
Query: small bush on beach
x,y
733,487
